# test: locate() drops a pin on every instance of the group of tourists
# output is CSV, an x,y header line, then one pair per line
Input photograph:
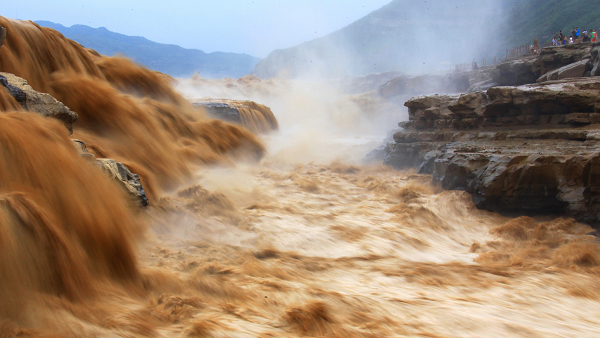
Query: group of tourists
x,y
576,36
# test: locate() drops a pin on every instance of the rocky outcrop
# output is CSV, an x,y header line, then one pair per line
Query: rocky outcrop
x,y
221,111
33,101
531,68
533,148
129,181
576,69
253,116
516,72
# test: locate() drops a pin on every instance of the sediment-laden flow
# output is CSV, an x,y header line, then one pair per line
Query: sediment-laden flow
x,y
125,112
269,249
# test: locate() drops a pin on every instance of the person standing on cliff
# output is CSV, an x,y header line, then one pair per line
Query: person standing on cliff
x,y
594,35
585,37
2,35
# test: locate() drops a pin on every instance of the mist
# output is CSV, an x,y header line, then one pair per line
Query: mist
x,y
318,122
405,36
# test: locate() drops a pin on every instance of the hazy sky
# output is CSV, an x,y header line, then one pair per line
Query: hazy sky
x,y
255,27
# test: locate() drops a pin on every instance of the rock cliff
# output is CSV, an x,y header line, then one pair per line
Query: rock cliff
x,y
532,148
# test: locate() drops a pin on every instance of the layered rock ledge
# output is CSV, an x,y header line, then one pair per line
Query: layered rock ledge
x,y
532,148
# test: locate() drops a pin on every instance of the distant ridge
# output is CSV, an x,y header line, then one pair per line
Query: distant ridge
x,y
170,59
404,35
421,36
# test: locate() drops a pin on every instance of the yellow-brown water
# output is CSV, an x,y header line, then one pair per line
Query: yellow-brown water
x,y
299,244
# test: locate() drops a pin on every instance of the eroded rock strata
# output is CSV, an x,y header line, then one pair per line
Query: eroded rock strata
x,y
528,148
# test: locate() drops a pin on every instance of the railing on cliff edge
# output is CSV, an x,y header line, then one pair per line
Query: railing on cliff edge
x,y
513,53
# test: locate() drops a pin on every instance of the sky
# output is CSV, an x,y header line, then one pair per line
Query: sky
x,y
255,27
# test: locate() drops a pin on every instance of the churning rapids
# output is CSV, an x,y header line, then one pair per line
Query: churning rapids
x,y
276,235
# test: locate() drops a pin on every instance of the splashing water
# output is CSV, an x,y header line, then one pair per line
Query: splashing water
x,y
287,247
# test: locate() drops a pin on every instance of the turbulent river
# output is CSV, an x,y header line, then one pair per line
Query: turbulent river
x,y
306,241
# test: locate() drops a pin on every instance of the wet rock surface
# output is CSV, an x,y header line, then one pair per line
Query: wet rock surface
x,y
129,181
34,101
249,114
221,111
532,148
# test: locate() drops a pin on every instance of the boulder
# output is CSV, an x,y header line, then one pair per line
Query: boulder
x,y
117,171
40,103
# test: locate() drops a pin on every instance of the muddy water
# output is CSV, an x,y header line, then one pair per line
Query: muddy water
x,y
306,242
339,250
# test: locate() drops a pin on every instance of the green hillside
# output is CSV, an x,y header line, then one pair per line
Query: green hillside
x,y
432,35
543,18
170,59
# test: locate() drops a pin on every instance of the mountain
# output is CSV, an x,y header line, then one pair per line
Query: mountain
x,y
404,35
170,59
424,36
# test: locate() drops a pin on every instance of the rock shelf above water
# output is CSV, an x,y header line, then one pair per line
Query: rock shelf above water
x,y
532,148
